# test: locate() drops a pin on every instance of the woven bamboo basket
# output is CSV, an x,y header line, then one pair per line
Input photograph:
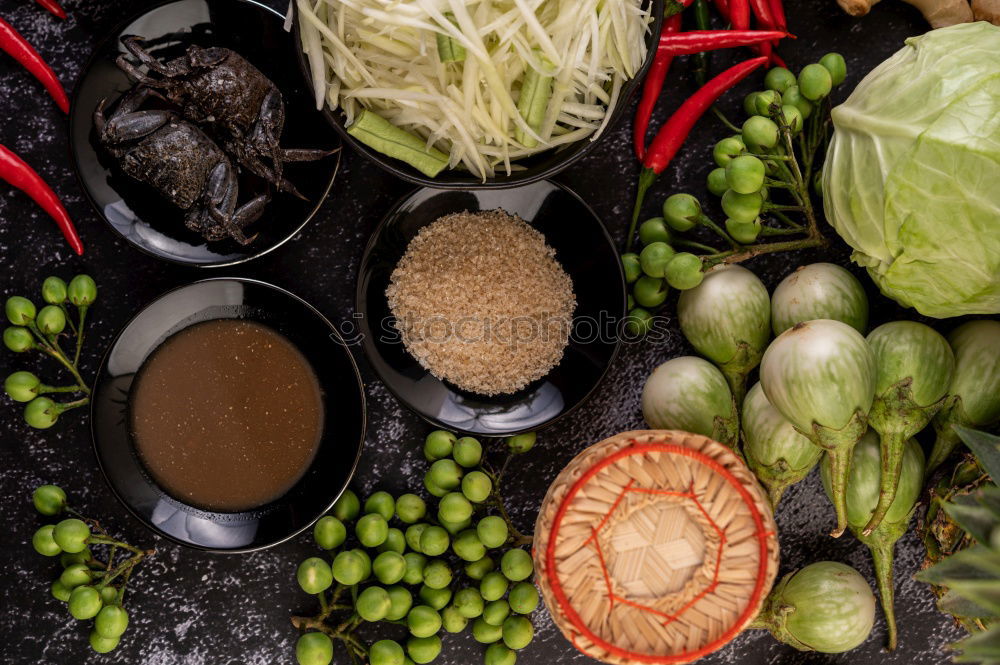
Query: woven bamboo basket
x,y
654,547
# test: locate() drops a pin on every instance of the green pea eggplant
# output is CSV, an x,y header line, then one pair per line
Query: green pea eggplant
x,y
775,451
819,291
825,606
913,365
863,492
820,375
691,394
727,319
974,393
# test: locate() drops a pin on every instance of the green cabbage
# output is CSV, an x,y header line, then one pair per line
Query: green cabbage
x,y
912,176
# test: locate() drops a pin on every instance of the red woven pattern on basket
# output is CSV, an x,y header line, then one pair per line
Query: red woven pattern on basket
x,y
761,535
612,596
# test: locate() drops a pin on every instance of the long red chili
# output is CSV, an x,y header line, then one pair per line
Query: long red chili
x,y
722,6
696,41
739,14
778,12
762,12
765,19
672,135
53,7
652,86
17,46
16,171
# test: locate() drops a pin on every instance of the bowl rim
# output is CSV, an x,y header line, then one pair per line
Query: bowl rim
x,y
466,182
335,337
75,167
360,294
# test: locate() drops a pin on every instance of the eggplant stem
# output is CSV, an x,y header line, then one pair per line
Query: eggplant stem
x,y
892,445
882,556
839,446
882,544
774,493
737,380
840,469
944,444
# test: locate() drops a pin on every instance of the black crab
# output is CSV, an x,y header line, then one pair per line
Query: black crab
x,y
181,162
218,88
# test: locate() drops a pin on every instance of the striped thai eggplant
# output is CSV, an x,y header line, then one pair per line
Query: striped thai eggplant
x,y
819,291
863,492
825,606
727,319
691,394
974,394
776,452
820,375
914,365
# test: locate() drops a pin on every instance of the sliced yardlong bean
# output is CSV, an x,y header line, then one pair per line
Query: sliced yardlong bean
x,y
449,50
379,134
536,91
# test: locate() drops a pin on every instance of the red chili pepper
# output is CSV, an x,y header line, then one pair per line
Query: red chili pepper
x,y
696,41
778,12
762,12
652,86
53,7
672,135
19,49
17,172
722,6
739,14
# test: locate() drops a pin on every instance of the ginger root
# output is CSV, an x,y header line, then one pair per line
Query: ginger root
x,y
939,13
986,10
942,13
857,7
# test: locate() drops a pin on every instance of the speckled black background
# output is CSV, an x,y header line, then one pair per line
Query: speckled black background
x,y
195,608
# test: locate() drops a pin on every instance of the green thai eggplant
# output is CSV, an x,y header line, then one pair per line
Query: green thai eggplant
x,y
914,365
863,491
820,375
974,394
727,319
826,607
691,394
819,291
775,451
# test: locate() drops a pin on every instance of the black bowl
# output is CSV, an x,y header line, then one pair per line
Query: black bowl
x,y
137,212
542,166
339,449
586,252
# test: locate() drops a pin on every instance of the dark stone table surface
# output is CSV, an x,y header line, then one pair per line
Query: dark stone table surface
x,y
194,608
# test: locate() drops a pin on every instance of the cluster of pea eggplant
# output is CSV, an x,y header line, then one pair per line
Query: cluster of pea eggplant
x,y
758,159
827,394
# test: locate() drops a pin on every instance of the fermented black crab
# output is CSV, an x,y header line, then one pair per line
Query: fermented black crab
x,y
180,161
218,88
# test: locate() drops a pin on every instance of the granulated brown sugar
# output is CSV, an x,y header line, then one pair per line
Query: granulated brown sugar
x,y
480,301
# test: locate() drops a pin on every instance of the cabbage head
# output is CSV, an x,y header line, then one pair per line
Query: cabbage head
x,y
912,176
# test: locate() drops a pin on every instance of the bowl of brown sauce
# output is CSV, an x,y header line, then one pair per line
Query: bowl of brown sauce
x,y
214,415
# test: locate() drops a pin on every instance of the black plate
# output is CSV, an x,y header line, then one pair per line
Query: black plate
x,y
339,450
137,212
584,249
542,166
